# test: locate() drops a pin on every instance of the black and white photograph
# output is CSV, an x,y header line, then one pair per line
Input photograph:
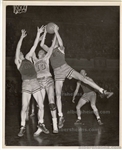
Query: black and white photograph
x,y
62,75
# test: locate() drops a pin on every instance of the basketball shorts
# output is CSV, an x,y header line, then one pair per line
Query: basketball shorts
x,y
30,86
45,82
65,71
89,97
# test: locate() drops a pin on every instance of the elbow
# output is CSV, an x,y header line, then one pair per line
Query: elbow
x,y
41,44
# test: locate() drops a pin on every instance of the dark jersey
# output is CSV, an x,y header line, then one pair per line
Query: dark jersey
x,y
86,88
27,70
57,58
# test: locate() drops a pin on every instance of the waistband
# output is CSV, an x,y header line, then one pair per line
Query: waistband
x,y
30,79
60,66
42,78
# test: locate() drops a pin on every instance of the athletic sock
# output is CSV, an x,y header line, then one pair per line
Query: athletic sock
x,y
54,120
60,114
23,124
97,114
79,118
41,121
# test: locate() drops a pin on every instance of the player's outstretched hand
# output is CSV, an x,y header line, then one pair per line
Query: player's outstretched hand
x,y
41,29
73,100
23,33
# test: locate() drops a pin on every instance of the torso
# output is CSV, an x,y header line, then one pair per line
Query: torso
x,y
86,88
42,68
57,58
27,70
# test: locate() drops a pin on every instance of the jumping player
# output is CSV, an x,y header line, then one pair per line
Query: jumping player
x,y
46,82
88,96
30,84
62,70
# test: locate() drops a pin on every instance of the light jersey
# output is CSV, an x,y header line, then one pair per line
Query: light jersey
x,y
57,58
27,70
86,88
42,68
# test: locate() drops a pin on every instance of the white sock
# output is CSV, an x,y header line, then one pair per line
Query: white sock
x,y
79,118
60,114
54,120
98,118
40,121
23,123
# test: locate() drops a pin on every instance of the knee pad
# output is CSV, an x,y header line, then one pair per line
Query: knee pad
x,y
52,106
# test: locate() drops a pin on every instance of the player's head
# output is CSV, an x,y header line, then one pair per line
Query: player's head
x,y
83,72
21,56
41,53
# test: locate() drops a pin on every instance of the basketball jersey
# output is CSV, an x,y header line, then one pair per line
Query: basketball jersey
x,y
86,88
42,68
27,70
57,58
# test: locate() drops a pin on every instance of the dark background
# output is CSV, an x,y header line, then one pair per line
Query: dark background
x,y
86,31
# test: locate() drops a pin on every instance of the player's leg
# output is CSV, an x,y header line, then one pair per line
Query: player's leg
x,y
58,86
78,109
40,114
93,106
50,93
78,76
38,97
25,103
32,109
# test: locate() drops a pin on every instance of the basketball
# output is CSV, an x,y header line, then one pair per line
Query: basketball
x,y
50,27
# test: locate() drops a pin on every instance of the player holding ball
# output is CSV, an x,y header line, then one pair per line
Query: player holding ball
x,y
62,70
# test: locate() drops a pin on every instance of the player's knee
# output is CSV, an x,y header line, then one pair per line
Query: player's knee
x,y
52,106
93,107
78,107
51,99
58,96
41,106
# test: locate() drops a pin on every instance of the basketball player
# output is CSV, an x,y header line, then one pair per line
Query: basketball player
x,y
62,70
88,96
30,84
46,82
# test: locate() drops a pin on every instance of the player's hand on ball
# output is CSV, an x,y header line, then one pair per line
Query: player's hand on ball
x,y
45,29
56,28
23,32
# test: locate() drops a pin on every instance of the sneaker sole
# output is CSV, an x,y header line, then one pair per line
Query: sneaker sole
x,y
43,130
62,125
110,95
55,132
101,124
20,135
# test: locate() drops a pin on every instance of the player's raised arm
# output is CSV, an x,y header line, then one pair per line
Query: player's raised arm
x,y
49,53
76,91
56,28
42,44
32,50
18,48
